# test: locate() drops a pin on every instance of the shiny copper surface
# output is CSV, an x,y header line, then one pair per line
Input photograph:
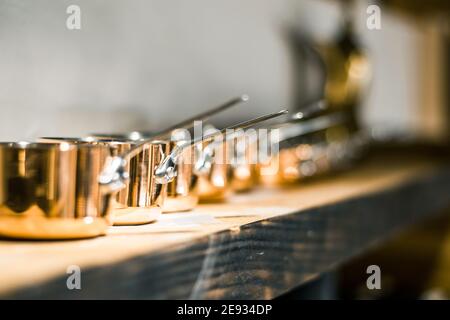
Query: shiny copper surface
x,y
43,194
214,185
182,191
244,173
142,202
311,155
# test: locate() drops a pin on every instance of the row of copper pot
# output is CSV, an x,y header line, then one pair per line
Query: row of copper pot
x,y
67,188
316,144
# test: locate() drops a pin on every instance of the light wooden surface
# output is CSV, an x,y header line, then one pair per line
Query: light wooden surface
x,y
26,264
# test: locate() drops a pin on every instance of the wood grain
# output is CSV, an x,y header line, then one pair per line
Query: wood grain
x,y
257,245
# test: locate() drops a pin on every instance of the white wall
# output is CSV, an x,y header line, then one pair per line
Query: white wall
x,y
393,101
140,64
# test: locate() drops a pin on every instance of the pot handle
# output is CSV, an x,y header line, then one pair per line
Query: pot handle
x,y
188,123
114,175
166,171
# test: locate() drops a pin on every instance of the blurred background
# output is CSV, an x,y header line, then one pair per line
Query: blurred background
x,y
144,64
147,64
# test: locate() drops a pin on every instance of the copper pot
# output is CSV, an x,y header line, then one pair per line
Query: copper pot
x,y
244,170
181,193
214,177
310,147
50,191
139,200
220,177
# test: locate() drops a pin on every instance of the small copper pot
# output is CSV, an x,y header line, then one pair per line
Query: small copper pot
x,y
214,177
142,201
310,148
181,193
216,180
50,191
138,201
244,172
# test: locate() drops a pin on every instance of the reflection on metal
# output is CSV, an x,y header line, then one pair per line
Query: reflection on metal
x,y
50,191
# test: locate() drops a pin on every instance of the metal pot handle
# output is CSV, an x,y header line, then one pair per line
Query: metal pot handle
x,y
166,171
188,123
114,176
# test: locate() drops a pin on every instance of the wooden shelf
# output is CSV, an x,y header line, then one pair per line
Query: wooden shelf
x,y
257,245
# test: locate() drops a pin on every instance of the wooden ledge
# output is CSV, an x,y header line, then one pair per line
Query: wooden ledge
x,y
257,245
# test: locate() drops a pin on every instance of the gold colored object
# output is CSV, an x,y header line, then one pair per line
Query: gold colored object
x,y
213,180
213,168
139,201
244,173
187,179
150,174
45,193
232,167
64,190
311,147
181,194
182,191
142,202
432,8
347,69
92,153
347,75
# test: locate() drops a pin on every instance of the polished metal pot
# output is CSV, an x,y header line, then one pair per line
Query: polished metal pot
x,y
182,192
51,191
139,200
311,146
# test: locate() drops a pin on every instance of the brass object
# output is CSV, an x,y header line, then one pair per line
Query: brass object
x,y
139,200
244,171
153,166
184,175
311,147
180,194
182,191
216,173
416,8
248,162
63,188
213,181
142,201
110,148
47,193
347,69
212,167
348,73
327,139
